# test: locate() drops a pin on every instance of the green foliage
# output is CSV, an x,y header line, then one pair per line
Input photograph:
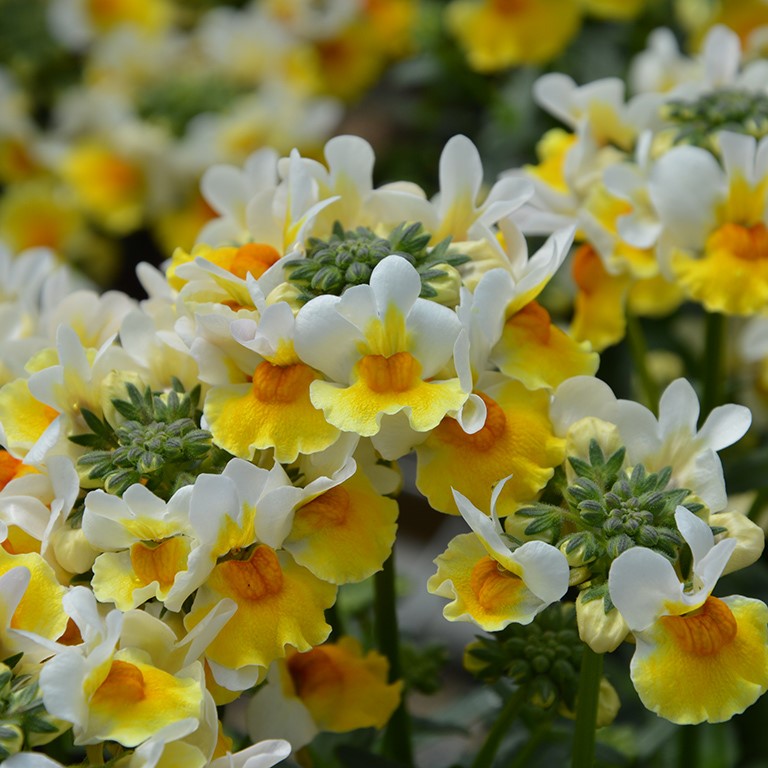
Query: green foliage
x,y
174,102
23,717
544,656
160,443
348,258
697,122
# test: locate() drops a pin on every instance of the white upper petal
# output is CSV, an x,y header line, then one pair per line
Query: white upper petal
x,y
641,581
325,340
721,53
678,409
545,570
724,426
685,186
461,173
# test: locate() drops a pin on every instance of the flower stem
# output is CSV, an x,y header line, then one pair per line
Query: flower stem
x,y
531,745
397,737
500,728
714,363
639,351
586,708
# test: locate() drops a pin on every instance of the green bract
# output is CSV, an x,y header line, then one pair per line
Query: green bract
x,y
348,258
606,510
698,121
24,721
160,444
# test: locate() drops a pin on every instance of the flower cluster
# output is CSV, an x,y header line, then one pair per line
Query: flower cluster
x,y
666,187
187,481
109,121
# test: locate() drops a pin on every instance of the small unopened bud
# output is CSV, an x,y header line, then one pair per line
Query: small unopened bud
x,y
602,632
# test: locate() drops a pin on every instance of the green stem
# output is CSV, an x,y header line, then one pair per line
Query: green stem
x,y
714,363
586,708
639,351
334,618
761,499
397,737
509,712
688,746
532,744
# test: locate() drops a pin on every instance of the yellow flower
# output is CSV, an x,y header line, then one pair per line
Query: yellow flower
x,y
346,533
110,186
382,348
535,351
37,213
488,583
496,34
697,658
41,610
342,688
279,604
516,439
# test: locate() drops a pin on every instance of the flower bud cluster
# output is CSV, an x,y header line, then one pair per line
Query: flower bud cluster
x,y
348,257
24,721
159,444
698,121
544,655
607,510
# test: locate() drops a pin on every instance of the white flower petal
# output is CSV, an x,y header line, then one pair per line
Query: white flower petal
x,y
641,581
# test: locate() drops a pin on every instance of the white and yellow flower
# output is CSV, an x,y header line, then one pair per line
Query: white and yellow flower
x,y
334,687
381,346
489,584
112,688
698,657
272,410
714,243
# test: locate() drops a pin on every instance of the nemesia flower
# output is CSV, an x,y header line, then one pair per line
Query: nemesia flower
x,y
274,409
344,529
145,545
716,646
240,518
380,346
516,437
672,440
496,34
334,687
113,691
457,207
486,582
38,413
714,249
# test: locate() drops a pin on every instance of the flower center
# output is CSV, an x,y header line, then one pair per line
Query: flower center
x,y
328,510
746,243
123,683
396,373
491,583
450,431
257,577
704,632
281,383
312,672
160,562
253,258
535,321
